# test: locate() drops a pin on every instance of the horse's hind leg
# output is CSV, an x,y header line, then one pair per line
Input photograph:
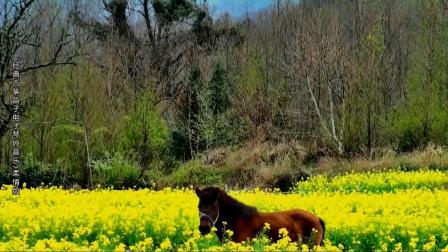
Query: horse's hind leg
x,y
312,238
316,237
293,235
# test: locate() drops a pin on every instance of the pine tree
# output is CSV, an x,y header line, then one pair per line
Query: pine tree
x,y
187,137
219,100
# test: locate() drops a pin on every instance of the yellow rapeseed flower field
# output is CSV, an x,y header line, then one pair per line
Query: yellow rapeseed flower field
x,y
411,216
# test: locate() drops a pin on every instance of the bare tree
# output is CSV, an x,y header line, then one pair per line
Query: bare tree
x,y
319,61
17,33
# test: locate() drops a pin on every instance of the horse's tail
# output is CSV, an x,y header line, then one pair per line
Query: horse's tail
x,y
322,223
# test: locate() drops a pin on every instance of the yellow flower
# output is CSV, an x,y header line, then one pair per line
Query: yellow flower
x,y
229,233
305,247
431,244
384,246
166,244
398,247
445,249
267,226
120,247
94,246
413,242
358,204
283,232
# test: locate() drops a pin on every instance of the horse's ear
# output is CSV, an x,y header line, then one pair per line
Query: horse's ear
x,y
198,191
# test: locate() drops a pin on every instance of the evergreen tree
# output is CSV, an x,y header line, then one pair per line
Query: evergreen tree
x,y
219,100
186,138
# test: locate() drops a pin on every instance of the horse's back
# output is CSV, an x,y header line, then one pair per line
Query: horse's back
x,y
297,215
297,221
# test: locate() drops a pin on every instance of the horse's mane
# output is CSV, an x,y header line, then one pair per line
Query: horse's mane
x,y
240,208
237,208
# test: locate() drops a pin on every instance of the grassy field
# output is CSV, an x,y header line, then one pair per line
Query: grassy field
x,y
371,211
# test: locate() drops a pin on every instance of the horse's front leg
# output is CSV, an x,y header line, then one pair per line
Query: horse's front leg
x,y
243,233
240,236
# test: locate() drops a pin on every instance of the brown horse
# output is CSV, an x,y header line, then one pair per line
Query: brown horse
x,y
216,207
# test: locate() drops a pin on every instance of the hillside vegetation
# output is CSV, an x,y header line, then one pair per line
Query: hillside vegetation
x,y
126,93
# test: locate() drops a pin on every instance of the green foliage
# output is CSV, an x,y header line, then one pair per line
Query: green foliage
x,y
364,106
423,117
172,10
185,139
219,125
115,170
69,148
193,173
228,129
36,173
219,100
375,40
390,89
143,134
206,120
408,132
256,99
250,79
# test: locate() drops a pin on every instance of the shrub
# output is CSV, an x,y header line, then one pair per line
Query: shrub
x,y
194,173
144,133
35,173
410,136
115,170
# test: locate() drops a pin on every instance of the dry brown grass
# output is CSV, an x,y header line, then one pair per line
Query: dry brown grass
x,y
280,165
259,164
433,157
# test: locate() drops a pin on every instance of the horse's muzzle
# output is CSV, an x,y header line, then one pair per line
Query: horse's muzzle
x,y
204,230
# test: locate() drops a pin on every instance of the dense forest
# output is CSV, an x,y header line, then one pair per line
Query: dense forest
x,y
163,92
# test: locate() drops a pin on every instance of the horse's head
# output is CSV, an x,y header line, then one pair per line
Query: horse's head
x,y
208,208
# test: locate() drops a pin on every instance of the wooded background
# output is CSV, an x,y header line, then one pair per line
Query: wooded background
x,y
125,93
